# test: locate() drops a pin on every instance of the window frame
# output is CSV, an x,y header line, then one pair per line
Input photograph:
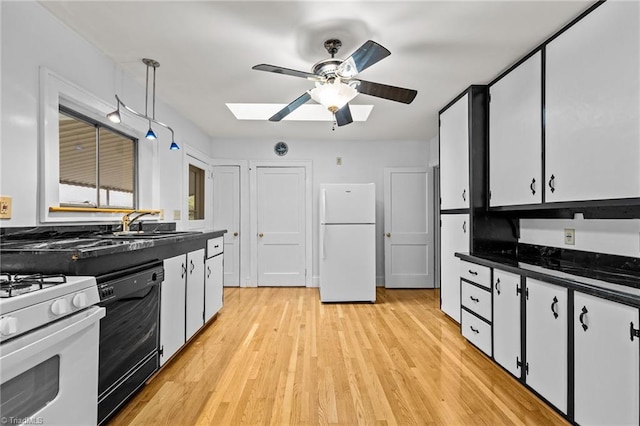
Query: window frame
x,y
64,109
55,91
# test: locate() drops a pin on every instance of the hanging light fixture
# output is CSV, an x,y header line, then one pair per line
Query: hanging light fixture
x,y
115,116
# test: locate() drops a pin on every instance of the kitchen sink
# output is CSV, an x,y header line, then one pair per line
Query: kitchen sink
x,y
146,234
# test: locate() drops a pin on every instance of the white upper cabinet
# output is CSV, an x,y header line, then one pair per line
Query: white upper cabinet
x,y
592,102
454,155
515,136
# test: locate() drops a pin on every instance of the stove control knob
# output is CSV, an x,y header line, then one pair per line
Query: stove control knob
x,y
79,300
60,307
8,326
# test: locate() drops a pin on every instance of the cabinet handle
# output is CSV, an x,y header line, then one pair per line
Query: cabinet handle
x,y
208,272
192,267
464,195
498,286
475,299
474,330
532,186
552,183
464,226
633,332
584,312
184,270
473,272
553,307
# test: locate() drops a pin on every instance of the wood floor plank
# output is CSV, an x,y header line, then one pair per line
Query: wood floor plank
x,y
277,356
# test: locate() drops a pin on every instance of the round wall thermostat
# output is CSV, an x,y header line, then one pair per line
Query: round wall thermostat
x,y
281,148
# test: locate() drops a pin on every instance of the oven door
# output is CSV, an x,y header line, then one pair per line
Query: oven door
x,y
50,375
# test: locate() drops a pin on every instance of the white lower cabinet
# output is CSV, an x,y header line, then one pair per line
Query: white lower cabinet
x,y
214,280
195,292
506,321
454,237
606,362
172,307
547,341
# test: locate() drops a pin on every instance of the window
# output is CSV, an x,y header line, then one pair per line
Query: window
x,y
97,163
196,193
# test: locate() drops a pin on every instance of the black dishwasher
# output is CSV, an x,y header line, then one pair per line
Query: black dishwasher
x,y
129,334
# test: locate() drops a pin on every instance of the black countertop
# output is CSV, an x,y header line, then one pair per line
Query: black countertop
x,y
612,277
92,250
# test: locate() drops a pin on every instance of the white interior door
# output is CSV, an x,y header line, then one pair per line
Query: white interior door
x,y
408,224
226,215
281,236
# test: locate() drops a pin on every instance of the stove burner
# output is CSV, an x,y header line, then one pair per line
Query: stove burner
x,y
18,284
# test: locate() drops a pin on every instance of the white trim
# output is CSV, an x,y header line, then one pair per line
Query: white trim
x,y
197,158
308,167
245,252
56,90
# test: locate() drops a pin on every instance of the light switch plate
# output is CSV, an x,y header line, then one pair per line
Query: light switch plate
x,y
569,236
5,207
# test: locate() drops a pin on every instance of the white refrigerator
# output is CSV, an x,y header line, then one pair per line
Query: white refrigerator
x,y
347,242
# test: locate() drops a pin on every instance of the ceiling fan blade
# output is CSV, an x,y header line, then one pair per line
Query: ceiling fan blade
x,y
291,107
384,91
343,116
285,71
367,55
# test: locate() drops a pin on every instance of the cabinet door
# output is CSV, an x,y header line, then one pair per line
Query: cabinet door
x,y
454,238
546,336
213,286
593,107
506,320
515,136
172,306
454,155
195,292
607,362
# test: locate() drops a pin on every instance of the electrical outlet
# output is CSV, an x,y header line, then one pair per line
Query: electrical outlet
x,y
338,161
176,215
5,207
570,236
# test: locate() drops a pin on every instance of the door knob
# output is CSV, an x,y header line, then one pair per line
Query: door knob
x,y
235,234
261,235
388,234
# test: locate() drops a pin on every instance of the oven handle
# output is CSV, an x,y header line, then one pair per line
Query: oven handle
x,y
12,359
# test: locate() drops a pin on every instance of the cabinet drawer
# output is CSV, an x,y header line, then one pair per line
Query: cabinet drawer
x,y
476,331
479,274
476,299
215,246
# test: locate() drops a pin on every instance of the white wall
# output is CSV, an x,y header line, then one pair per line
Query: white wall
x,y
31,38
362,162
619,237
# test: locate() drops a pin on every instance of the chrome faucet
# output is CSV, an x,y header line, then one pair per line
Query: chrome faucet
x,y
127,221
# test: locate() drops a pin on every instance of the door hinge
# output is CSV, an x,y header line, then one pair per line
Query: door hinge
x,y
161,351
633,332
518,362
518,290
489,97
526,293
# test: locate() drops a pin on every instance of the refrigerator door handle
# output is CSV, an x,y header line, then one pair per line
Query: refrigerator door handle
x,y
322,240
323,217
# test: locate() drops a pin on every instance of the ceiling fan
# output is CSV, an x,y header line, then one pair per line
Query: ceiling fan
x,y
335,82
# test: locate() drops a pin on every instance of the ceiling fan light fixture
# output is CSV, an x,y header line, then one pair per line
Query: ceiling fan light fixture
x,y
115,116
333,96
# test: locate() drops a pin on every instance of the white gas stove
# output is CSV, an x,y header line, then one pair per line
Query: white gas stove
x,y
28,302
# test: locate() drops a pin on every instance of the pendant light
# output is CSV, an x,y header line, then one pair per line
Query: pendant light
x,y
115,116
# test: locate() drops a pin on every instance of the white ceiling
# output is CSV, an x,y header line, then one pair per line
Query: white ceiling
x,y
207,48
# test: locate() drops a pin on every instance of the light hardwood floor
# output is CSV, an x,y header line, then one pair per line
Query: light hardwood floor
x,y
278,356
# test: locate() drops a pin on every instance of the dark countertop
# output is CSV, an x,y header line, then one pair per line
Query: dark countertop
x,y
617,283
88,250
